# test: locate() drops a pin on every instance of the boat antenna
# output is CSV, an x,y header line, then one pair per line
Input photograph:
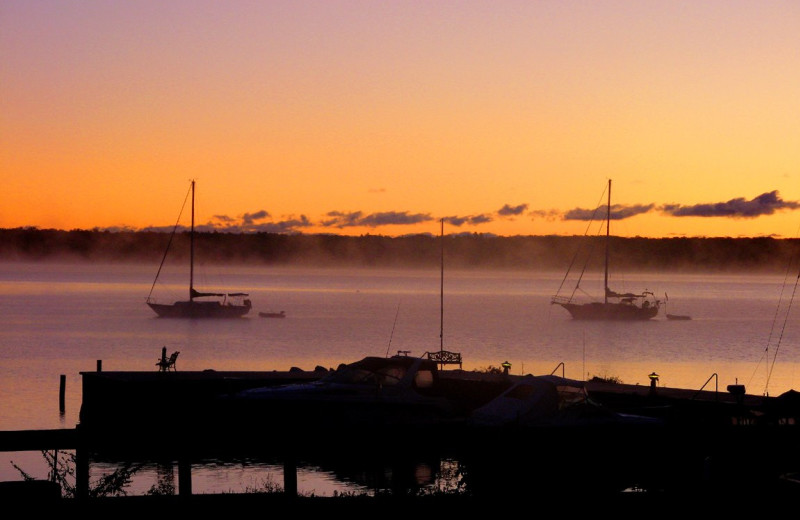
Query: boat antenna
x,y
171,236
389,346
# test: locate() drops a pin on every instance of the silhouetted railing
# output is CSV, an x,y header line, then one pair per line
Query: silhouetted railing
x,y
556,368
716,386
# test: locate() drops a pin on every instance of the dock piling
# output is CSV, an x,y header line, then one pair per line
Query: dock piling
x,y
81,466
61,392
290,475
184,476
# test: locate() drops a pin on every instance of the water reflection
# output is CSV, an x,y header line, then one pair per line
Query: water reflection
x,y
318,478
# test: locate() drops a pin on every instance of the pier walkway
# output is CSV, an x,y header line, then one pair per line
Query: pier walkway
x,y
166,415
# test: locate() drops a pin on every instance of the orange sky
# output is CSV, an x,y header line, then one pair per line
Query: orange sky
x,y
359,117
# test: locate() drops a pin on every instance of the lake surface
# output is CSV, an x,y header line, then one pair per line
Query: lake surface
x,y
62,319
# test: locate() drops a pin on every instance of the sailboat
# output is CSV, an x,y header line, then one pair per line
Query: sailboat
x,y
221,305
615,306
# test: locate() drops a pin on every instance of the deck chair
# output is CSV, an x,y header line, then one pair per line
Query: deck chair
x,y
164,365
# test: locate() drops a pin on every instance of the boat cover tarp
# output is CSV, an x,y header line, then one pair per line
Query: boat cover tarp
x,y
612,294
529,399
197,294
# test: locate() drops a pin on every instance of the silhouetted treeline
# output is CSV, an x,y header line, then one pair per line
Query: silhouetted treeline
x,y
416,251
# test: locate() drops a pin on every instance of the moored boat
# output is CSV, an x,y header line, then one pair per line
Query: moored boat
x,y
680,317
626,306
220,305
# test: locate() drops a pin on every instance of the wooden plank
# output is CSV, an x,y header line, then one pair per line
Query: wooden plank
x,y
37,440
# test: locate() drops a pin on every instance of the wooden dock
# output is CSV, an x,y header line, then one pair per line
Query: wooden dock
x,y
154,415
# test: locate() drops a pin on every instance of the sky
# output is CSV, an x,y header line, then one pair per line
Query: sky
x,y
504,117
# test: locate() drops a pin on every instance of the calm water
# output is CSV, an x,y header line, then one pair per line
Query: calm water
x,y
63,319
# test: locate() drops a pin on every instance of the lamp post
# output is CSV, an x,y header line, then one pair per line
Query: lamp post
x,y
653,380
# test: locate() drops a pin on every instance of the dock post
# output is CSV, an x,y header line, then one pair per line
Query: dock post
x,y
81,467
290,475
184,476
61,391
99,365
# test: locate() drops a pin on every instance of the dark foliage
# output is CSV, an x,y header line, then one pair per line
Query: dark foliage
x,y
543,253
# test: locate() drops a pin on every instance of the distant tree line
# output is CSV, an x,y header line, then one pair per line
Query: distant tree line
x,y
465,251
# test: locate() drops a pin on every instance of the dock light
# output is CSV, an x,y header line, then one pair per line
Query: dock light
x,y
653,380
506,367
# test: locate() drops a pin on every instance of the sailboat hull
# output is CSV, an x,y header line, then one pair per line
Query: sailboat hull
x,y
610,311
195,309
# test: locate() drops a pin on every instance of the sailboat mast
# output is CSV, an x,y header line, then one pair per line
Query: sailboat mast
x,y
191,252
441,293
608,234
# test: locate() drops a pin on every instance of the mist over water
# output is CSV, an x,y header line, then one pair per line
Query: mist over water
x,y
62,319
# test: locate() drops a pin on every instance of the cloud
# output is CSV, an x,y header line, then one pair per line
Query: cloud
x,y
249,218
284,226
618,212
507,210
551,215
471,220
258,221
246,223
341,219
223,218
764,204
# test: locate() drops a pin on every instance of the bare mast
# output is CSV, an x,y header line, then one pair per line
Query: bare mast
x,y
191,252
608,231
441,293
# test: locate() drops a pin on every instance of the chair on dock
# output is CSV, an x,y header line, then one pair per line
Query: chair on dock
x,y
165,364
